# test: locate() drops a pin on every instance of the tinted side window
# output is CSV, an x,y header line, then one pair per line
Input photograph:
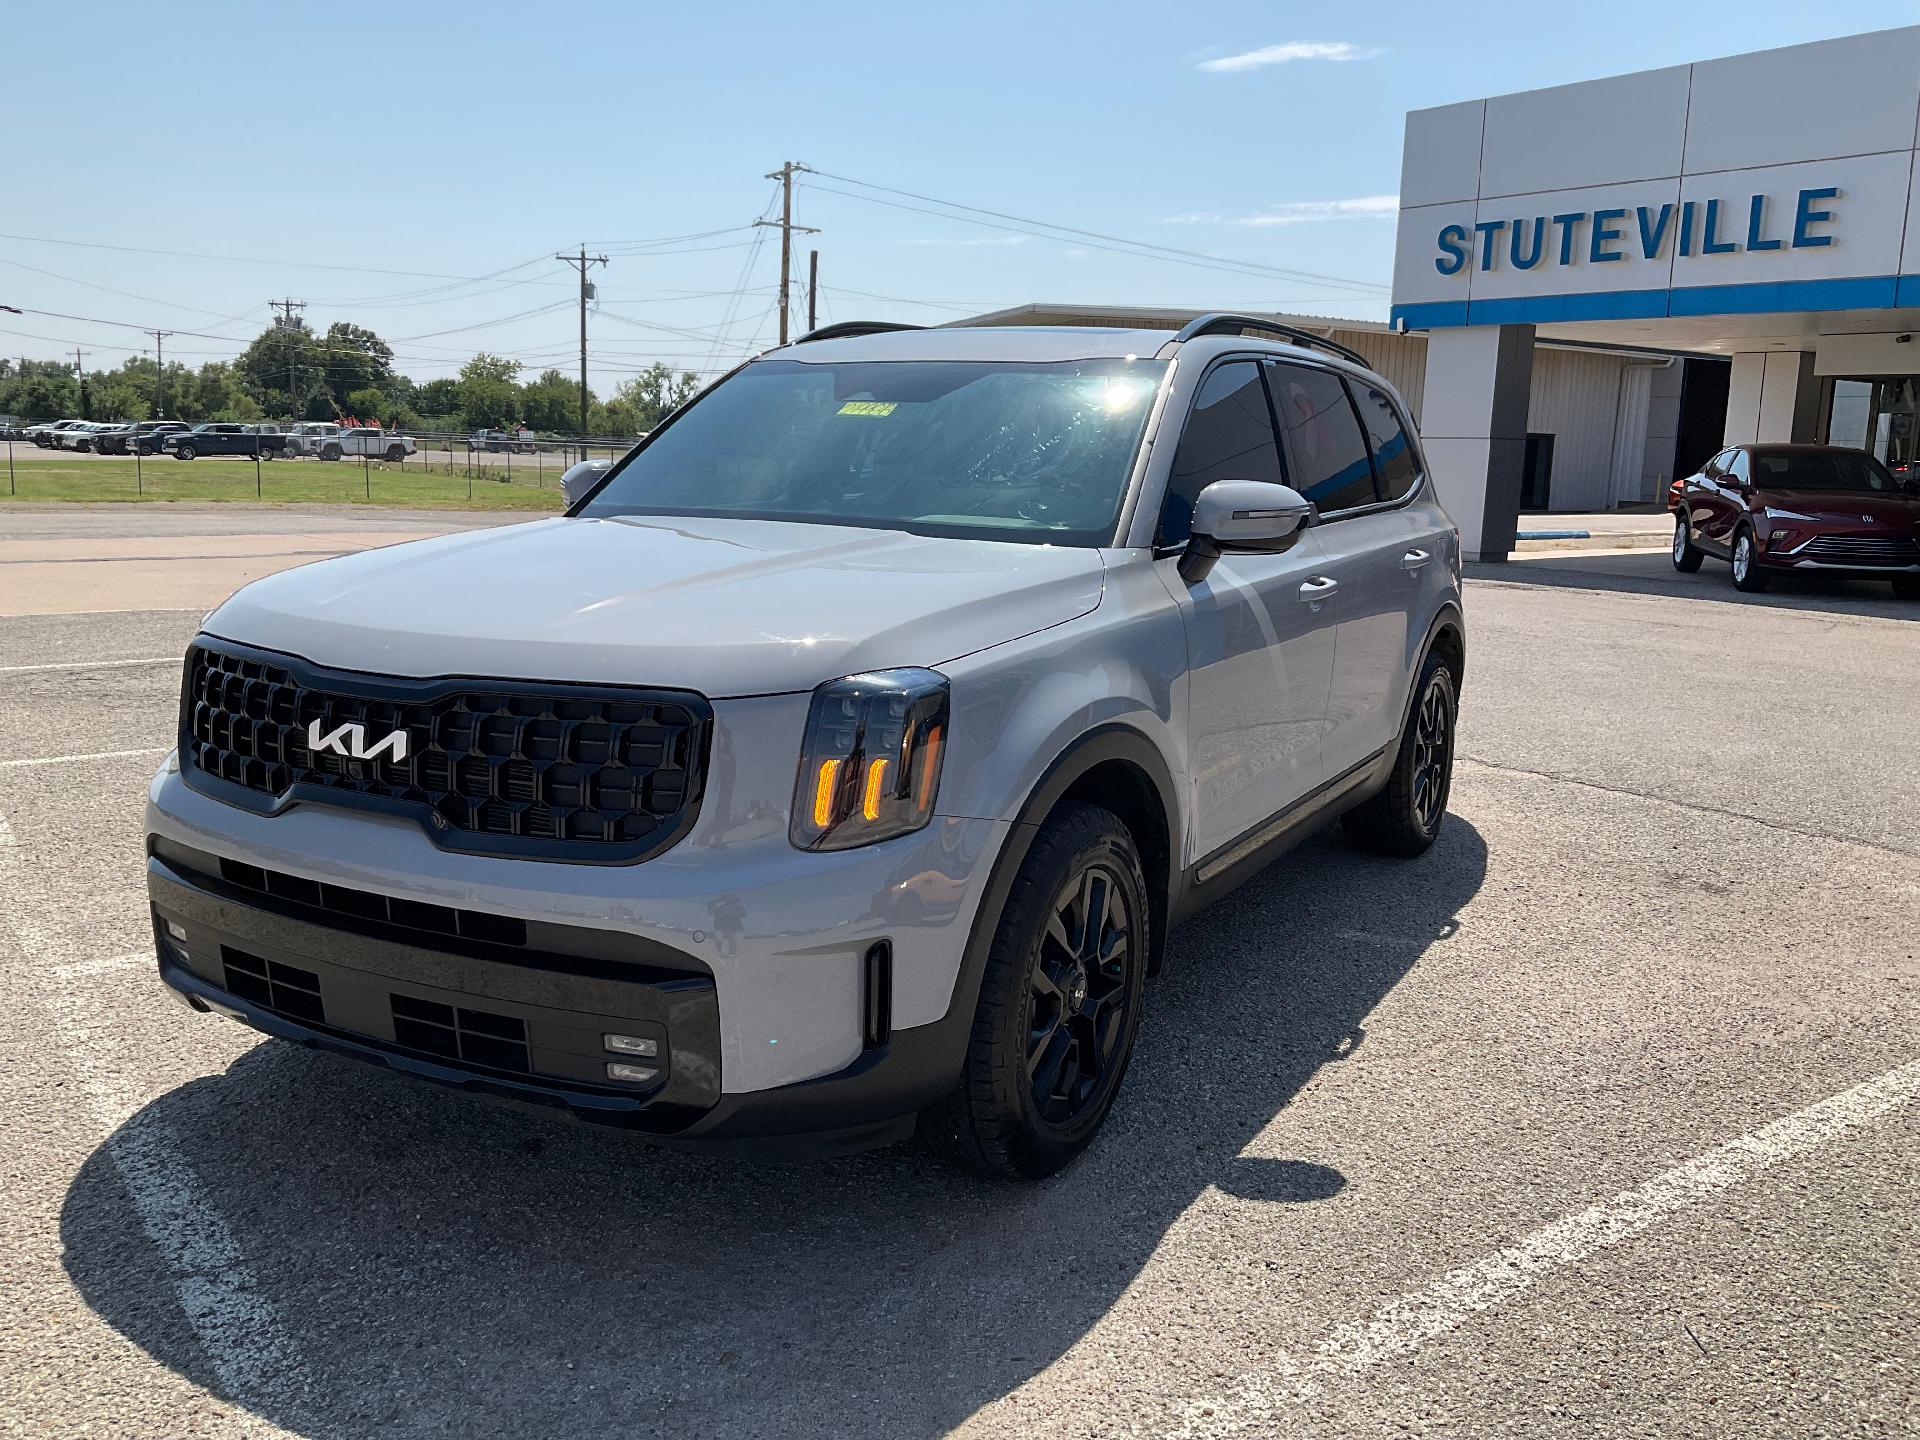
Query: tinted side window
x,y
1326,454
1393,457
1228,436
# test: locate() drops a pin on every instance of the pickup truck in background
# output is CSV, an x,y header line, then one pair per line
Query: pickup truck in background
x,y
222,438
352,441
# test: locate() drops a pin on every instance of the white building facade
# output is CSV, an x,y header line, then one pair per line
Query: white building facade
x,y
1762,208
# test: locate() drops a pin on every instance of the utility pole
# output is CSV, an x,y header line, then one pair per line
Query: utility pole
x,y
785,223
80,379
583,262
813,290
286,321
159,373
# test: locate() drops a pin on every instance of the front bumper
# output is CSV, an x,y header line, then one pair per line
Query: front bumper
x,y
750,959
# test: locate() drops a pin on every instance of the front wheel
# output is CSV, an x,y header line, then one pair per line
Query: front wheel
x,y
185,452
330,452
1686,555
1748,577
1404,818
1059,1004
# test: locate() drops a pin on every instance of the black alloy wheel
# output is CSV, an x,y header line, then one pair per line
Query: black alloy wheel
x,y
1432,755
1079,995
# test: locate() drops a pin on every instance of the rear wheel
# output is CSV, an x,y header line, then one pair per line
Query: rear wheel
x,y
396,453
1686,555
1404,818
1748,577
1059,1004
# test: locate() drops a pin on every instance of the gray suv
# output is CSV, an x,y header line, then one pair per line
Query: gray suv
x,y
836,766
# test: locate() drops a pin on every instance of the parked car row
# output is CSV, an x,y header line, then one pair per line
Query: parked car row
x,y
321,440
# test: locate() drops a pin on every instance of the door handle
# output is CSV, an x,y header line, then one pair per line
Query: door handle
x,y
1414,559
1320,587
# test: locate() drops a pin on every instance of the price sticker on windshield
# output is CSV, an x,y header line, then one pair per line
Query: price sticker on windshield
x,y
867,407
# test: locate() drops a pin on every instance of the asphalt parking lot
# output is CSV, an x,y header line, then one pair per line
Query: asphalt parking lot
x,y
1602,1119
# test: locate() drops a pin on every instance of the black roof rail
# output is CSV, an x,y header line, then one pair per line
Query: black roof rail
x,y
1223,321
848,328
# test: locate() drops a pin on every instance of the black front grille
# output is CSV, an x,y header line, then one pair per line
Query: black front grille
x,y
545,771
1861,550
477,1037
285,988
381,909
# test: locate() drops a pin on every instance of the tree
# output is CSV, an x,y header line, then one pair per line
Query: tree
x,y
354,359
656,392
439,400
40,390
489,394
281,366
552,403
368,404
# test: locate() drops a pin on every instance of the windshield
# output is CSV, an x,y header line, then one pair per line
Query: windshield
x,y
988,449
1821,470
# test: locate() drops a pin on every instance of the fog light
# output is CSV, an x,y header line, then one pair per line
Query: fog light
x,y
632,1074
1780,537
177,930
631,1044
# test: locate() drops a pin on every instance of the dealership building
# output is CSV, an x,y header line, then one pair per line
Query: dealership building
x,y
1737,241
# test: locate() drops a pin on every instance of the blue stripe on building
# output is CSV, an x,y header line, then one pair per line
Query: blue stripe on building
x,y
1870,292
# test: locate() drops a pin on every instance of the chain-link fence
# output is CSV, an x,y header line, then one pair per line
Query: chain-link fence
x,y
415,467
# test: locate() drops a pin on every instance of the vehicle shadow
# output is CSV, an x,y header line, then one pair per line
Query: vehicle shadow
x,y
437,1265
1651,572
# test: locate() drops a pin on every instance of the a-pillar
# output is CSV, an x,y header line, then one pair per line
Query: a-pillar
x,y
1773,397
1473,424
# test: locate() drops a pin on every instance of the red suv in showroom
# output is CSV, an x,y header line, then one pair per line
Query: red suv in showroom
x,y
1801,509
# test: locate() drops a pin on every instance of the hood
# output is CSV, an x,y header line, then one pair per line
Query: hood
x,y
1858,508
724,607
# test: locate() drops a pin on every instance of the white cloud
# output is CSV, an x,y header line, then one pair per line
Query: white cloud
x,y
973,242
1073,254
1302,212
1292,50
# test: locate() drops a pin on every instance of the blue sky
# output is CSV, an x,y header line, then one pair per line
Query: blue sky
x,y
459,140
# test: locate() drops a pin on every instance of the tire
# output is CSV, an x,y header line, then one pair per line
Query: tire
x,y
1748,577
1044,1010
396,453
184,452
330,452
1906,587
1686,555
1404,819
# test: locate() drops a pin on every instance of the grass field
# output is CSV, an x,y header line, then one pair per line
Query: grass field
x,y
305,481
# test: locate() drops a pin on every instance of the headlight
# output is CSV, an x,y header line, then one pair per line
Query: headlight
x,y
870,761
1774,513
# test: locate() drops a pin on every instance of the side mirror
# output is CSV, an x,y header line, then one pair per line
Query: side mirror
x,y
1244,517
581,478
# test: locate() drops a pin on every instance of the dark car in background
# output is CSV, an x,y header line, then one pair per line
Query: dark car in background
x,y
145,437
222,438
1801,509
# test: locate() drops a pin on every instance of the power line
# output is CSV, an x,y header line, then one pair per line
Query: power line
x,y
1024,225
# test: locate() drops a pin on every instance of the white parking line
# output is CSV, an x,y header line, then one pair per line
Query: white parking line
x,y
89,665
96,755
236,1323
1406,1323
